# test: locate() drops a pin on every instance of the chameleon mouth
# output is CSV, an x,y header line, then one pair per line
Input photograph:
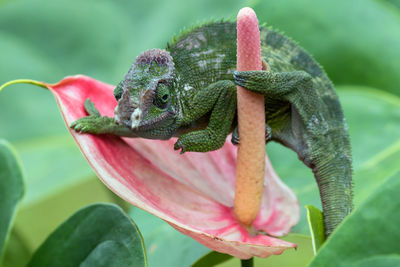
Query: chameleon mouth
x,y
145,101
147,125
137,122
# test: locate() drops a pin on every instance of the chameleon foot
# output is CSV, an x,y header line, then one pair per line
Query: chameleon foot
x,y
199,141
92,124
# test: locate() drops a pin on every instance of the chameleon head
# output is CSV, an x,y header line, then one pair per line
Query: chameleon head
x,y
145,96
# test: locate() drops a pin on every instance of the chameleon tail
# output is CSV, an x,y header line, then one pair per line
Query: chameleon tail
x,y
333,174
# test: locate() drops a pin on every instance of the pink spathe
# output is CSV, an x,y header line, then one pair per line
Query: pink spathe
x,y
193,192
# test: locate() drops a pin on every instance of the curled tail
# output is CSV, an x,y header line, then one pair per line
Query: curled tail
x,y
331,166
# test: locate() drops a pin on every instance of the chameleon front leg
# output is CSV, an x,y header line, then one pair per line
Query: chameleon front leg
x,y
301,120
97,124
220,99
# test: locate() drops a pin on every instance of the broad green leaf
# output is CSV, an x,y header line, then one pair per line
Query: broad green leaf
x,y
379,261
97,235
298,258
357,42
36,221
16,253
165,245
316,224
372,117
375,137
11,190
211,259
396,3
370,235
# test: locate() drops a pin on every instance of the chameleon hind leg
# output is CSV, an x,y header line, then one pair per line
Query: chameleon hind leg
x,y
302,121
218,98
97,124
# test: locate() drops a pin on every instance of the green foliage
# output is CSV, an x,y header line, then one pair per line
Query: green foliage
x,y
316,224
211,259
165,245
16,253
355,41
396,3
98,235
11,190
370,235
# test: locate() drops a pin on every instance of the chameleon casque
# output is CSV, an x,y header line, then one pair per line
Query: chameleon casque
x,y
188,91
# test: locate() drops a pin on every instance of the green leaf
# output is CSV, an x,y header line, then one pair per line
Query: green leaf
x,y
98,235
372,117
370,235
316,224
11,189
36,221
355,41
396,3
165,245
379,261
375,137
16,253
211,259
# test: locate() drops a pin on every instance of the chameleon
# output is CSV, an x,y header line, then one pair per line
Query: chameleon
x,y
188,90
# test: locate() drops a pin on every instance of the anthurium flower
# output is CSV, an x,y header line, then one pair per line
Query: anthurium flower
x,y
193,192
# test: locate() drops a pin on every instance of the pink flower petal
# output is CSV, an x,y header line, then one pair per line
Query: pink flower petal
x,y
193,192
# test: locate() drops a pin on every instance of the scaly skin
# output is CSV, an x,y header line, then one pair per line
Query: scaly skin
x,y
189,91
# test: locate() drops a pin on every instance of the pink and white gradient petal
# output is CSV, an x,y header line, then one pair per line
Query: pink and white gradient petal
x,y
193,192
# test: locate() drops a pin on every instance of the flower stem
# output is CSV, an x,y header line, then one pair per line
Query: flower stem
x,y
26,81
247,263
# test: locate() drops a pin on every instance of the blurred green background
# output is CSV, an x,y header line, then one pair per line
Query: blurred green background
x,y
356,41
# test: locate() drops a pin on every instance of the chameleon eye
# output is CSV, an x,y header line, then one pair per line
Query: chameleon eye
x,y
161,97
118,91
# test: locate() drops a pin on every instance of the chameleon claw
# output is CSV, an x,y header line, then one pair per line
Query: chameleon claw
x,y
235,140
239,78
235,136
178,146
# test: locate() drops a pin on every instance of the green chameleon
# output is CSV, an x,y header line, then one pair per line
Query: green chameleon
x,y
188,90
